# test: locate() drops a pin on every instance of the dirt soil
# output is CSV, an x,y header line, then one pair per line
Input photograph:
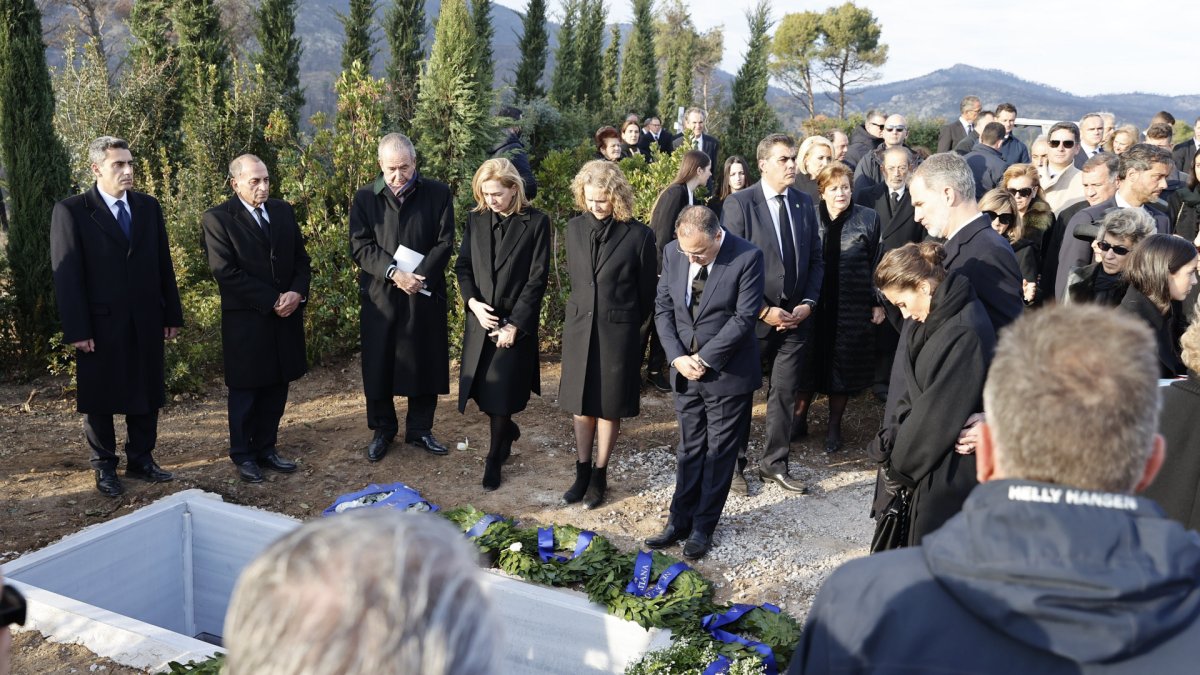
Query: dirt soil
x,y
48,491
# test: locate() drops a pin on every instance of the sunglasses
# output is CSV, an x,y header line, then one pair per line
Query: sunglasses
x,y
901,128
1022,192
1006,219
12,607
877,125
1106,247
1066,144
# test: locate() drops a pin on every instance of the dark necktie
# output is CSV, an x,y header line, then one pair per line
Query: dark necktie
x,y
698,289
895,202
788,243
262,222
123,219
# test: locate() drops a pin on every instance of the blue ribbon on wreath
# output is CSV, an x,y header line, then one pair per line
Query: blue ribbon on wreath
x,y
482,525
713,623
640,585
546,545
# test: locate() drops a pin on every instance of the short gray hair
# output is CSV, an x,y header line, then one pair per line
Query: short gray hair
x,y
1132,224
368,592
235,167
697,219
694,109
969,101
1142,156
1053,363
1108,160
395,142
947,169
1089,116
98,149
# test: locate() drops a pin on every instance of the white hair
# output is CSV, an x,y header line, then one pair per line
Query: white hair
x,y
395,142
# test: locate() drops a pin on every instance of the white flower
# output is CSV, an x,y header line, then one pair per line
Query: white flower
x,y
515,546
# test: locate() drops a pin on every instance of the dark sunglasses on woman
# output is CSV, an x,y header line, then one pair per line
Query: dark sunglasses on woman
x,y
1006,219
12,607
1022,192
1106,247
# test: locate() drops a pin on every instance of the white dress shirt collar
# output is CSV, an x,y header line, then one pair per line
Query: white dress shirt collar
x,y
251,209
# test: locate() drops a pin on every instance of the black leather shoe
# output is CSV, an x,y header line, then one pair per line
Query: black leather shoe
x,y
149,472
696,546
108,484
275,462
658,381
249,472
378,447
784,481
668,536
832,445
799,428
738,484
430,444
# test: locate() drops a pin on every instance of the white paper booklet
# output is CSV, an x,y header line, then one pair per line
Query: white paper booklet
x,y
407,261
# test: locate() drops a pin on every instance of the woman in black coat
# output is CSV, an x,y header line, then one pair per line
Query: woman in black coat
x,y
1161,272
1001,206
1177,488
631,138
842,360
735,177
610,259
502,270
950,345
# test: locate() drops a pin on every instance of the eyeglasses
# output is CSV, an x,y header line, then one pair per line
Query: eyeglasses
x,y
877,125
1106,247
900,128
1006,219
1025,193
1066,144
12,607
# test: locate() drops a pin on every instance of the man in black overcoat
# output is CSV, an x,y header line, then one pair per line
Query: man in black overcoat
x,y
405,348
694,121
118,302
705,309
781,221
257,256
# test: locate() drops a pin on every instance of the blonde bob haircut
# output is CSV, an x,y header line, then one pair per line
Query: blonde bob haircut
x,y
504,171
607,177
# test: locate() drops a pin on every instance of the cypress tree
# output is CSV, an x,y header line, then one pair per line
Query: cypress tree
x,y
750,118
150,26
679,72
534,45
279,53
564,85
638,90
592,14
360,34
452,122
481,17
38,175
612,66
203,47
405,29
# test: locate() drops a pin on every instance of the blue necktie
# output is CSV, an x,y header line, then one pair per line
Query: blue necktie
x,y
123,218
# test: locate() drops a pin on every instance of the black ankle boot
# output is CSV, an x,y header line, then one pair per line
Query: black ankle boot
x,y
583,474
596,487
491,472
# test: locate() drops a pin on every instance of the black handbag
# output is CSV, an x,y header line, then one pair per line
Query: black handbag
x,y
891,525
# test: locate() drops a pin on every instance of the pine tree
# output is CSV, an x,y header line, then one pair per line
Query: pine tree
x,y
534,45
360,34
481,17
564,85
203,51
638,91
405,30
592,14
150,26
750,118
38,175
279,53
452,123
612,67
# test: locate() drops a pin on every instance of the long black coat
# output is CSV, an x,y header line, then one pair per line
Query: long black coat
x,y
944,369
1163,325
405,350
1177,488
667,208
512,280
260,348
118,292
601,349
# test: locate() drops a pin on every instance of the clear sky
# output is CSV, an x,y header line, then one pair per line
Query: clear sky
x,y
926,35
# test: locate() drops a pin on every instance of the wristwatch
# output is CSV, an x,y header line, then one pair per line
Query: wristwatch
x,y
810,303
390,271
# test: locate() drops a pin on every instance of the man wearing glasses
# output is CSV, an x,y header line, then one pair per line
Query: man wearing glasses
x,y
1061,181
869,173
12,610
866,138
1013,149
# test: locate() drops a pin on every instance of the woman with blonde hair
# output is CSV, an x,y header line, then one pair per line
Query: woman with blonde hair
x,y
1023,181
611,264
1125,137
816,153
1000,206
502,270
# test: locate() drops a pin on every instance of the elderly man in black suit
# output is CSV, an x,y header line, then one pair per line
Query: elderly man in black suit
x,y
709,294
1091,138
405,347
694,122
955,131
257,256
118,302
782,222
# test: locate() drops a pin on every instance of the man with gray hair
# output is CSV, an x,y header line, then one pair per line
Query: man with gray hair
x,y
256,254
118,303
1102,282
954,132
367,592
1091,136
401,237
1053,565
694,121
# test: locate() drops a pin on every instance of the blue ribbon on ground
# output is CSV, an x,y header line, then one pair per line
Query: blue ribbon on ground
x,y
721,665
639,586
482,525
546,545
713,623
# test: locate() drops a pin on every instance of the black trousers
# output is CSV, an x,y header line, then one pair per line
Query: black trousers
x,y
784,354
381,416
141,436
254,416
712,429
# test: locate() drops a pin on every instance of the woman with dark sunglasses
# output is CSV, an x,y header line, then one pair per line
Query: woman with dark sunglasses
x,y
1000,205
1103,282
